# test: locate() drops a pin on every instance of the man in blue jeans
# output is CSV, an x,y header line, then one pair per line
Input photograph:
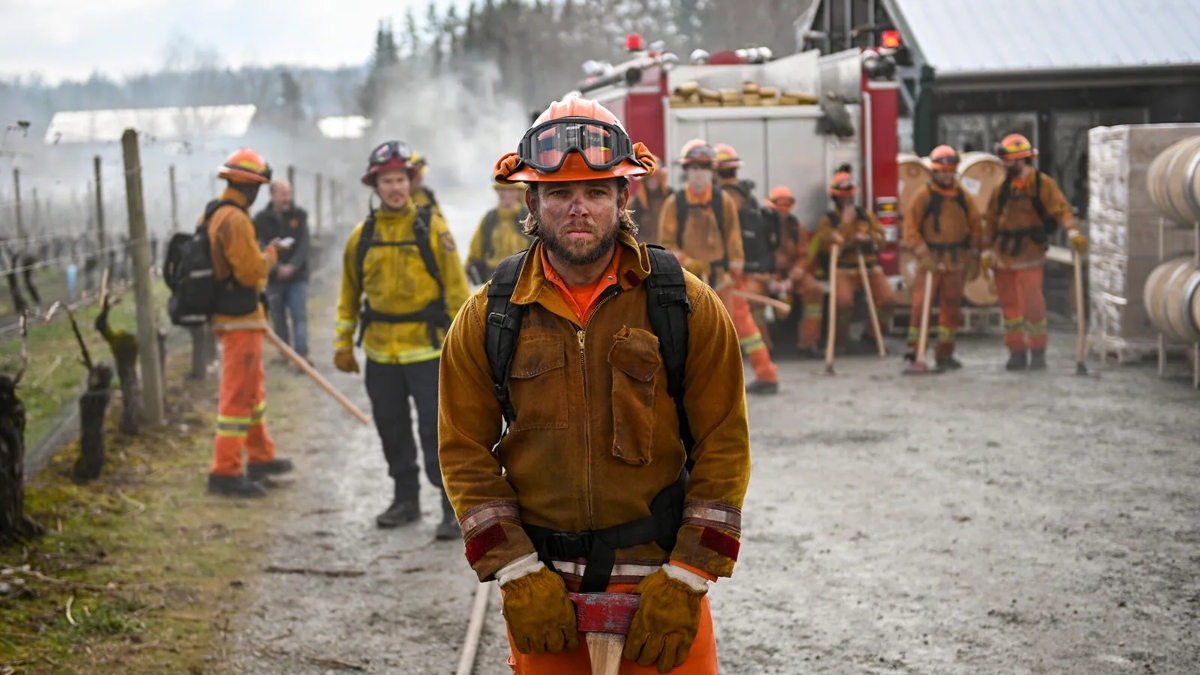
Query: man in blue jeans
x,y
287,286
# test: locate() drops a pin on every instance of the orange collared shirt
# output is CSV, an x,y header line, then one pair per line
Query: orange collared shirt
x,y
582,299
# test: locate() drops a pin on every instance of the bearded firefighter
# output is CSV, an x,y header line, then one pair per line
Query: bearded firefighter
x,y
402,284
942,229
1021,215
586,488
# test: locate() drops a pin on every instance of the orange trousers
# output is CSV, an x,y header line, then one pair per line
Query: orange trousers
x,y
702,658
243,406
948,288
1024,308
812,295
849,282
749,336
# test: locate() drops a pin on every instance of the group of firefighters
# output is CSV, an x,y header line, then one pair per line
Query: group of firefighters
x,y
581,440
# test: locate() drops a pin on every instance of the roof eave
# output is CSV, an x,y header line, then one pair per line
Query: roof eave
x,y
1043,78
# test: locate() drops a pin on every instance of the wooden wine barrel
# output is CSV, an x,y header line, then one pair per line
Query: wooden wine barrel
x,y
912,173
1172,301
908,272
980,174
1174,181
981,291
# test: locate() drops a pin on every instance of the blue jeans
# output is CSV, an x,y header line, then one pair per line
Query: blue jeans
x,y
290,298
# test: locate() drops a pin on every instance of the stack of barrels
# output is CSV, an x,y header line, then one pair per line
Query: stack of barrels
x,y
1171,292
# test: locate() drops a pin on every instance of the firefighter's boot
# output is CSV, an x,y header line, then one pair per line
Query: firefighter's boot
x,y
234,486
1037,359
1016,361
405,509
948,362
761,387
260,472
448,529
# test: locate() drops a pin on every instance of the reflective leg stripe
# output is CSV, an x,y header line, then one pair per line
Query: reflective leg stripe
x,y
260,414
914,335
233,427
1037,327
752,343
813,311
1014,325
947,335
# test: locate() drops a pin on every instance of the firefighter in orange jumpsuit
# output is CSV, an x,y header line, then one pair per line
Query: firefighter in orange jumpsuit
x,y
710,246
1019,216
942,228
797,260
857,233
240,322
594,437
648,196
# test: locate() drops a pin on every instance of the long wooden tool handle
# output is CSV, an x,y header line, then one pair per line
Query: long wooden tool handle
x,y
926,308
604,651
466,660
763,300
833,275
321,381
862,268
1081,340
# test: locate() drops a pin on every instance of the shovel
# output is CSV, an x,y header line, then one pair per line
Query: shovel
x,y
832,340
604,618
866,279
919,365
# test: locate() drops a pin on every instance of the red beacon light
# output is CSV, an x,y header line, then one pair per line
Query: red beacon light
x,y
634,43
890,39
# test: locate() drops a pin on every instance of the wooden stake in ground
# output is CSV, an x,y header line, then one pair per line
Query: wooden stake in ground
x,y
15,526
99,213
93,405
831,341
174,203
152,394
862,268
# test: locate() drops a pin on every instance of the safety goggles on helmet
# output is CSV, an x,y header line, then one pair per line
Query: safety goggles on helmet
x,y
389,153
602,145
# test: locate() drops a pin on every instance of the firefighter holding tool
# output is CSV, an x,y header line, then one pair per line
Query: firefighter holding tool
x,y
594,434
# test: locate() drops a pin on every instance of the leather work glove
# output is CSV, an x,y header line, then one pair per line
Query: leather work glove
x,y
540,616
345,361
666,621
1079,242
986,261
928,264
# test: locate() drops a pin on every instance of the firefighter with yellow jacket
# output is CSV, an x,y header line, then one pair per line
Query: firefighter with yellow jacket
x,y
1019,218
402,285
501,233
942,229
708,241
586,489
857,233
240,323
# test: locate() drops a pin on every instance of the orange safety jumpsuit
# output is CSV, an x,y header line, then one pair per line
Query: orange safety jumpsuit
x,y
241,412
796,259
1019,259
646,205
849,278
703,247
949,233
587,376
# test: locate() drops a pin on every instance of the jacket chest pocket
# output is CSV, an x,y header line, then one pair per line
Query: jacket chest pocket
x,y
636,364
537,382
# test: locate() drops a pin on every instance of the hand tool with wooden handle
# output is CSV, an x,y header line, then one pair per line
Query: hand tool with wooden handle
x,y
866,278
1081,311
321,381
604,619
832,339
757,298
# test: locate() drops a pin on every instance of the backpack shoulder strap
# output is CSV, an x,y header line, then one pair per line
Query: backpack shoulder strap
x,y
668,307
681,213
962,200
718,207
1037,195
1005,193
365,238
503,327
423,234
490,220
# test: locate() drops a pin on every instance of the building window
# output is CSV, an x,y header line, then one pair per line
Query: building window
x,y
1069,136
981,132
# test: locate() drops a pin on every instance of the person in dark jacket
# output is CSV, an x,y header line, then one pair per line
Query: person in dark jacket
x,y
287,286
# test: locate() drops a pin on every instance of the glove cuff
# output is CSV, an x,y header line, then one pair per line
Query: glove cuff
x,y
691,579
521,567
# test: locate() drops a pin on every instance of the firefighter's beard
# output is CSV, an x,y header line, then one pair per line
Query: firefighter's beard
x,y
578,251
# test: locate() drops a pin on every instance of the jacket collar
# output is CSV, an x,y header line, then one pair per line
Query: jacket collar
x,y
532,285
231,195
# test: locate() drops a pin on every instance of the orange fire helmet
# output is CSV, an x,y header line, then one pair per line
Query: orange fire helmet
x,y
697,152
842,184
575,139
727,157
1015,146
245,166
944,158
780,195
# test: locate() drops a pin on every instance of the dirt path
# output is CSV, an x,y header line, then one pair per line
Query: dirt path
x,y
977,522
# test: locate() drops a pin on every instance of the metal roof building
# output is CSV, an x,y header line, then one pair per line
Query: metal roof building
x,y
164,124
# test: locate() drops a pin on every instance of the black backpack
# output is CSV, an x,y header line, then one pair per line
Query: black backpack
x,y
196,294
935,207
760,232
1049,223
490,222
435,315
718,209
667,305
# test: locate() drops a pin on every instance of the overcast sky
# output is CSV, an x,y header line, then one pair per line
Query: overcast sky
x,y
72,38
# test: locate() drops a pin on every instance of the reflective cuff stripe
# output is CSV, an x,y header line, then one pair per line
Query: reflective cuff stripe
x,y
410,356
947,335
260,414
1037,327
625,570
487,514
1014,325
752,344
343,326
714,515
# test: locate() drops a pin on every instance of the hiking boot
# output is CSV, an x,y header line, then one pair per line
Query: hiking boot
x,y
448,529
949,363
234,486
275,467
1016,361
1037,359
760,387
401,512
